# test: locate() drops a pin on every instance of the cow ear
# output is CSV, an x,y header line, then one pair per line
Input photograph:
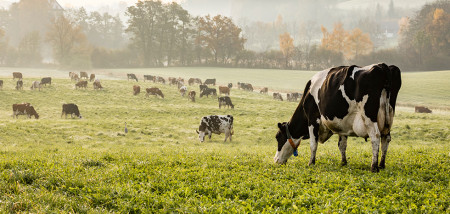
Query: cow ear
x,y
280,125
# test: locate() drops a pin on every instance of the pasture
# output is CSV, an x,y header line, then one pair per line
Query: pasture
x,y
90,165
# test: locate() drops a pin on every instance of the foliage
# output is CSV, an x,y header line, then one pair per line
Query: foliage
x,y
287,46
30,49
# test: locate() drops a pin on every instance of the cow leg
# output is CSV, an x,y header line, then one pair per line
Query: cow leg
x,y
384,147
313,133
374,135
342,144
227,133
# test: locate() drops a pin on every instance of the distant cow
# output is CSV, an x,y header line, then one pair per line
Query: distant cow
x,y
92,77
247,86
208,91
1,84
97,84
35,84
191,96
277,96
202,87
210,82
183,90
46,80
73,76
172,81
149,77
422,109
160,80
292,97
84,74
17,75
81,84
225,101
154,91
264,90
136,89
191,81
71,109
132,76
224,90
230,85
216,124
19,84
24,109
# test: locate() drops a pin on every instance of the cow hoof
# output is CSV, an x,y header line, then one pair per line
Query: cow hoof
x,y
382,166
375,169
344,163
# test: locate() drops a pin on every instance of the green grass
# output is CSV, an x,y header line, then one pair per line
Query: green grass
x,y
90,166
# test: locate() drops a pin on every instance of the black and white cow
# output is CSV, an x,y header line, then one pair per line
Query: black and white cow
x,y
348,101
225,101
216,124
71,109
208,91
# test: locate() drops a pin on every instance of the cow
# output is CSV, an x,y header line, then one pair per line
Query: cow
x,y
17,75
422,109
172,81
292,97
36,84
73,76
81,84
24,109
180,80
210,82
277,96
154,91
225,101
208,91
183,90
264,90
136,89
1,84
348,101
160,80
202,87
245,86
191,81
92,77
71,109
224,90
19,84
216,124
132,76
149,77
191,96
230,85
46,80
97,84
83,74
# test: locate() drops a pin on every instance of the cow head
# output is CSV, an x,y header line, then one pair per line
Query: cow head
x,y
203,129
285,149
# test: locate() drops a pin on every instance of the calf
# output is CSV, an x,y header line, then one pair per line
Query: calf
x,y
264,90
17,75
210,82
277,96
422,109
24,109
132,76
92,77
191,81
154,91
224,90
46,80
225,101
149,77
208,91
136,89
97,85
36,84
191,96
19,84
183,90
84,74
71,109
1,84
81,84
216,124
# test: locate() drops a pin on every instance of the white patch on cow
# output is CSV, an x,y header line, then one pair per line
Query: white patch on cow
x,y
357,69
286,151
316,82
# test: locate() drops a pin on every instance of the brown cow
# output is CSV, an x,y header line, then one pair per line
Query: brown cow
x,y
92,77
264,90
97,84
172,81
24,109
277,96
154,91
81,84
422,109
191,81
17,75
136,89
73,76
191,95
224,90
83,74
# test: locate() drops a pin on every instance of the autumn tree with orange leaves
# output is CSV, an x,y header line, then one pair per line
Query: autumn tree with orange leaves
x,y
286,47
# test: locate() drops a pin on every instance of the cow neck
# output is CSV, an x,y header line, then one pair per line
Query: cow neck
x,y
298,127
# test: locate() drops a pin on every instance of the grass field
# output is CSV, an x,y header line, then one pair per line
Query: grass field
x,y
90,165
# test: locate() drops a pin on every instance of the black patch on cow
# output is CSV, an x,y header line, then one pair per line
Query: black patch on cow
x,y
331,101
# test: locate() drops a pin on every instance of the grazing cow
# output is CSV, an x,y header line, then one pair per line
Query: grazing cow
x,y
208,91
73,76
154,91
183,90
180,80
224,90
136,89
191,96
292,97
1,84
203,87
19,84
216,124
264,90
71,109
24,109
191,81
92,77
149,77
225,101
422,109
46,80
160,80
81,84
277,96
97,84
17,75
132,76
348,101
230,85
210,82
172,81
246,86
36,84
83,74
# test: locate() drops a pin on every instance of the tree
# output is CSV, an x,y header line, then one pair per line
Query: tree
x,y
336,40
359,43
391,9
30,49
286,47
